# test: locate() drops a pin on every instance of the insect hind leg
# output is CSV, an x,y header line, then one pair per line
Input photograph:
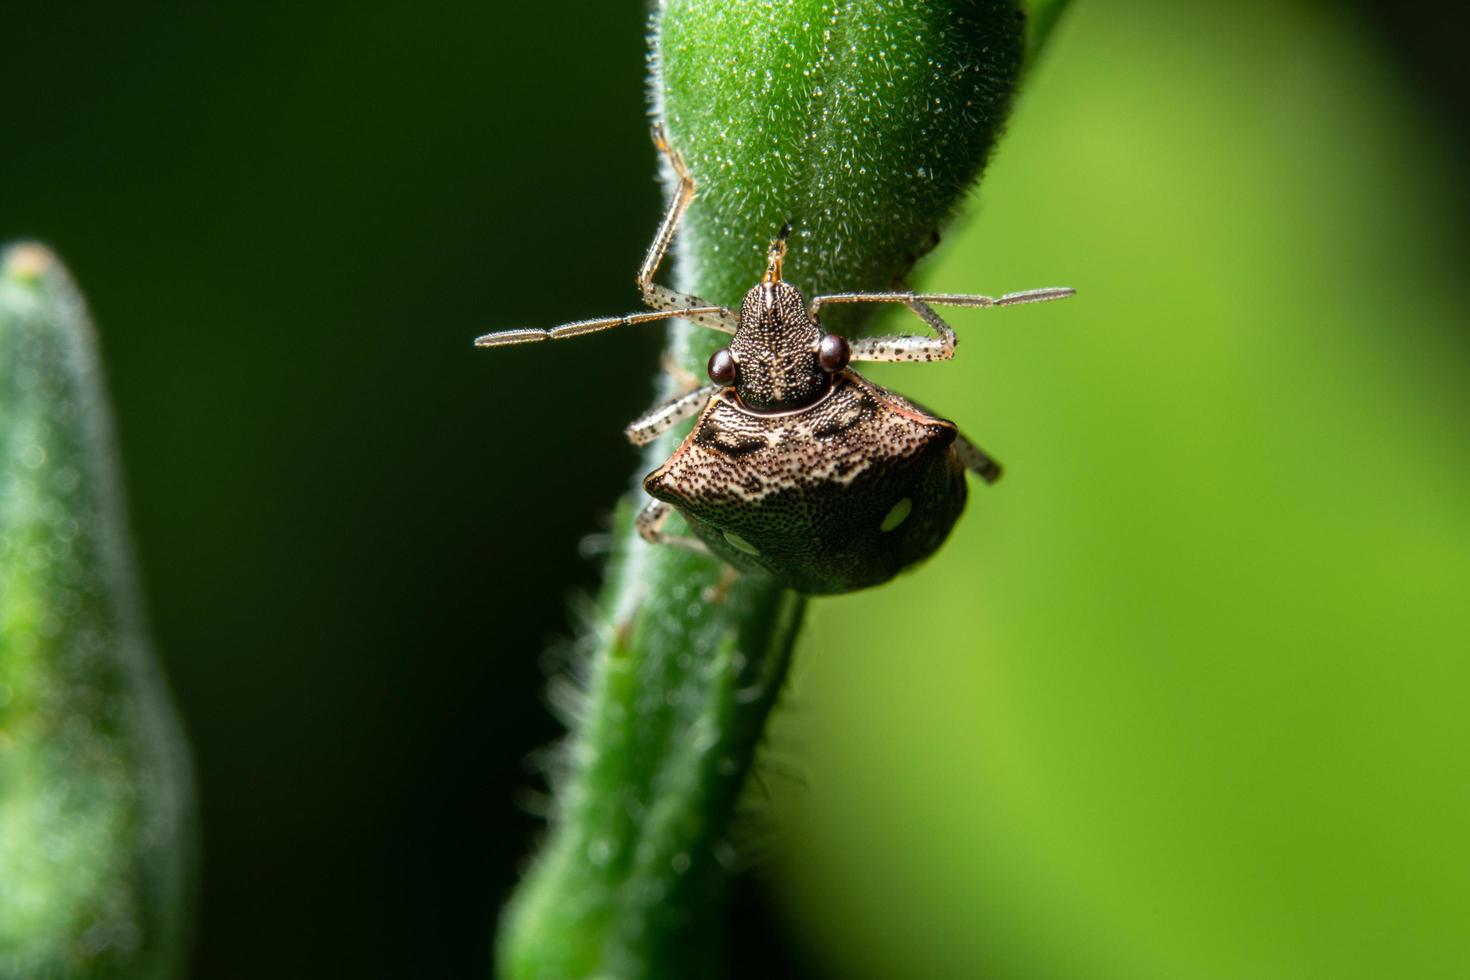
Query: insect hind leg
x,y
974,459
650,524
977,460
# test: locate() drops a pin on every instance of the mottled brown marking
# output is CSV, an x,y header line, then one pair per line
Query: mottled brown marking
x,y
809,489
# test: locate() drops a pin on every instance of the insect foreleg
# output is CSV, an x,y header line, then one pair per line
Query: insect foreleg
x,y
668,413
909,348
913,348
662,297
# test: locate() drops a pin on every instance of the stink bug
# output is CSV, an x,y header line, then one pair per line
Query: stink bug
x,y
799,467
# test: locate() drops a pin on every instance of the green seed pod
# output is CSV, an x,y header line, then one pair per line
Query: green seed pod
x,y
96,829
862,123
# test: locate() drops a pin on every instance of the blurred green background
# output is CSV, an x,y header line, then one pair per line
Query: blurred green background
x,y
1187,694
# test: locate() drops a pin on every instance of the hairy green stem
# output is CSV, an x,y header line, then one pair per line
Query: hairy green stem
x,y
96,828
863,122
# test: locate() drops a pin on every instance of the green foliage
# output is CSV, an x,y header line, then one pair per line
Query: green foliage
x,y
864,123
95,815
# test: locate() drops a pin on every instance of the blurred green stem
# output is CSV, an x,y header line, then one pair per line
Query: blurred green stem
x,y
96,829
863,122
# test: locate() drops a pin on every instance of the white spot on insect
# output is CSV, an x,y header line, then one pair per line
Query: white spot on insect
x,y
740,544
896,516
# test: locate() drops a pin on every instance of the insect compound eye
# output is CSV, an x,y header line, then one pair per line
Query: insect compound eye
x,y
722,369
833,353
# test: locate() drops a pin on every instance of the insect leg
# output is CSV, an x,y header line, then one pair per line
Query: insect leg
x,y
912,348
662,297
667,302
668,413
704,315
650,524
684,379
976,460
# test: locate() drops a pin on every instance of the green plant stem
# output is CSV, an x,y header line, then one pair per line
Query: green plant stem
x,y
96,829
1041,19
680,686
863,123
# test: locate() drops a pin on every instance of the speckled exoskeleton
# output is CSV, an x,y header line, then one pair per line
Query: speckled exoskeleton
x,y
799,467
